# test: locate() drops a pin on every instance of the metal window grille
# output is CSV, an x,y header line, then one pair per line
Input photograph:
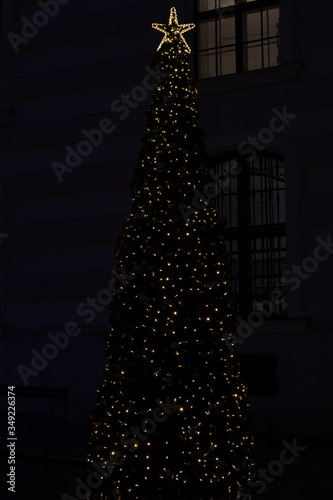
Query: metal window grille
x,y
252,200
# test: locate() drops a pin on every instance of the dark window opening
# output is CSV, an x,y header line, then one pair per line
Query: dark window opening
x,y
253,203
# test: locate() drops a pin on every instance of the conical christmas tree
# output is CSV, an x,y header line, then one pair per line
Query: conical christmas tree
x,y
172,415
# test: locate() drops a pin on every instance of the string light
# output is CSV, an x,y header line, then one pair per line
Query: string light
x,y
169,322
173,30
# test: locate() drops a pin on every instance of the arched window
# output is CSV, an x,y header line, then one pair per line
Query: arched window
x,y
252,200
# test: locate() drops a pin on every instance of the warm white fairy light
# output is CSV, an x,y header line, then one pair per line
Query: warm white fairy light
x,y
173,30
178,261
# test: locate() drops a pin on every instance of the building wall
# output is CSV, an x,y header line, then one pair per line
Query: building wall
x,y
236,107
62,235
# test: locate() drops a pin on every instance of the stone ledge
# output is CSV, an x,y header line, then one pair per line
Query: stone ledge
x,y
239,81
283,326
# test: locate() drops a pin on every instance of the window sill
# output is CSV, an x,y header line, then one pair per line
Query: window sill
x,y
284,73
6,117
284,326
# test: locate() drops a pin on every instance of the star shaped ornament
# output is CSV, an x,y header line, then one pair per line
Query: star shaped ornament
x,y
173,30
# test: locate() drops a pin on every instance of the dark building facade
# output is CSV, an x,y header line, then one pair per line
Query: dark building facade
x,y
76,77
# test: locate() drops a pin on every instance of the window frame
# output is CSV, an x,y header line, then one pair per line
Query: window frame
x,y
238,9
245,232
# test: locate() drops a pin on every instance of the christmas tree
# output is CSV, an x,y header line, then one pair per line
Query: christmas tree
x,y
172,415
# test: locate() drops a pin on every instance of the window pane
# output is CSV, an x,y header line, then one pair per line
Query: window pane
x,y
227,61
270,18
207,64
267,191
204,5
227,3
227,37
226,31
252,55
226,204
271,53
252,26
272,200
206,34
229,204
231,247
267,266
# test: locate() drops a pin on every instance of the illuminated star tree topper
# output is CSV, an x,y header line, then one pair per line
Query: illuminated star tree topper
x,y
173,30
